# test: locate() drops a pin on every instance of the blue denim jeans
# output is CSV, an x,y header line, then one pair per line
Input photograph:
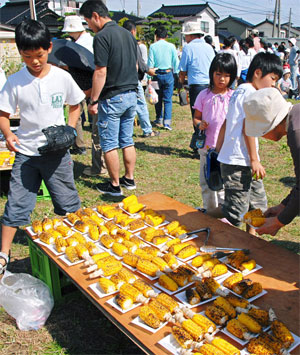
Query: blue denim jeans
x,y
56,170
142,110
165,93
115,121
293,69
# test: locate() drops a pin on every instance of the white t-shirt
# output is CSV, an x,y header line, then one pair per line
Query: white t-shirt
x,y
234,150
2,78
244,60
86,41
41,103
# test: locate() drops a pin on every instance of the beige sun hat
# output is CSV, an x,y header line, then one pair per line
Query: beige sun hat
x,y
264,110
192,28
73,24
293,41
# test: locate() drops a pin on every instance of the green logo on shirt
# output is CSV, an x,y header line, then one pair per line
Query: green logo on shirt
x,y
57,100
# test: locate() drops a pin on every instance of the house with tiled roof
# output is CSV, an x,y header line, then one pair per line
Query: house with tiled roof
x,y
118,15
265,29
235,25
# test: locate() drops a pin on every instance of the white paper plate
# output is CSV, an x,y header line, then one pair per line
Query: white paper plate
x,y
97,290
182,298
140,323
147,276
240,341
166,343
295,343
31,232
264,292
188,258
51,247
159,246
134,215
112,302
65,259
246,272
172,292
159,226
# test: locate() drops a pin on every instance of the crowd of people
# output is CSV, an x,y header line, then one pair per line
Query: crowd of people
x,y
233,100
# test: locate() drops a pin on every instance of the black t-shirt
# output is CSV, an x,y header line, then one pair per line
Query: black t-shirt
x,y
116,49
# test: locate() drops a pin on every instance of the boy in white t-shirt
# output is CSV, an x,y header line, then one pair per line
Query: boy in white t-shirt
x,y
40,90
241,169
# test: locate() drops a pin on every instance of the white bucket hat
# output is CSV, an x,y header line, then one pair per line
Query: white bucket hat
x,y
73,24
192,28
264,110
293,41
286,71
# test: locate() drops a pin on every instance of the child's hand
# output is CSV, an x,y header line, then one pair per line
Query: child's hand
x,y
258,171
202,125
11,139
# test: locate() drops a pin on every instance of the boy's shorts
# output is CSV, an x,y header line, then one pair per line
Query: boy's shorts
x,y
28,171
116,119
242,193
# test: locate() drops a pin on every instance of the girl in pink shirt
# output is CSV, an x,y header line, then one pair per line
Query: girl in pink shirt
x,y
211,108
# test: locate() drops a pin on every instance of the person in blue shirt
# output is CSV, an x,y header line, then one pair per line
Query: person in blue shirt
x,y
293,61
163,57
195,62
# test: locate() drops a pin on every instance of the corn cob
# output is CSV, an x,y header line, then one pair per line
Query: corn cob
x,y
168,302
111,213
37,227
215,287
179,231
128,201
117,281
47,224
226,306
238,329
112,228
117,239
225,346
80,213
98,220
89,211
155,221
249,322
137,241
248,265
153,251
130,259
168,283
143,254
253,290
72,217
146,290
124,302
175,248
162,313
72,242
172,226
204,323
129,291
186,270
107,241
209,264
81,226
64,230
241,286
60,244
149,317
180,278
130,246
88,221
57,221
237,258
147,212
124,221
170,259
147,267
218,270
199,260
92,248
208,349
126,275
119,249
203,290
136,224
257,347
94,232
273,342
193,329
107,269
162,265
216,314
282,333
79,237
47,238
72,254
260,315
160,240
135,207
103,231
237,301
182,337
125,234
103,208
82,251
106,285
54,233
233,279
148,234
187,252
93,260
99,263
192,296
169,243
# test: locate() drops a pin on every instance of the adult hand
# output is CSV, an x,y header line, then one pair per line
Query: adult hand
x,y
274,211
271,226
151,71
11,139
202,125
258,171
93,109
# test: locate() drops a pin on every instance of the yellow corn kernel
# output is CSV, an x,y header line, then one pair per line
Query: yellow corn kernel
x,y
57,221
166,282
167,301
161,311
248,265
106,285
260,315
163,266
226,306
193,329
79,237
172,226
119,249
257,347
136,240
130,259
225,346
273,342
130,246
47,224
128,201
253,290
237,301
212,284
117,281
107,241
238,329
160,240
72,254
37,226
136,224
187,252
199,260
180,278
204,323
126,275
151,250
182,337
281,332
249,322
60,244
216,314
219,269
141,253
135,207
128,290
82,251
98,220
94,232
103,231
233,279
111,268
175,249
47,238
208,349
171,260
72,217
124,302
149,317
64,230
142,286
147,267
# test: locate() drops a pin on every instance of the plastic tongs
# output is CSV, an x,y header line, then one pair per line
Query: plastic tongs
x,y
220,252
193,234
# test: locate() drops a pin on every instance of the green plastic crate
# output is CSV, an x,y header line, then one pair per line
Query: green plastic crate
x,y
44,269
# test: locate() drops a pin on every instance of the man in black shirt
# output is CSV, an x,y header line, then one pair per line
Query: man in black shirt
x,y
113,94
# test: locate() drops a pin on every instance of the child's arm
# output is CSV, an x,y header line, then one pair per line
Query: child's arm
x,y
198,122
257,168
74,113
10,137
221,137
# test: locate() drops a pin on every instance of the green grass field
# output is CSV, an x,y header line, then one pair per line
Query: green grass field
x,y
164,164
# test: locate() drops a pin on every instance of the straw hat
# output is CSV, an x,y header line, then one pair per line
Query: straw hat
x,y
73,24
192,28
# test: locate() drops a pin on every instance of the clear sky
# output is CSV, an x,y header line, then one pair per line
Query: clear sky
x,y
254,11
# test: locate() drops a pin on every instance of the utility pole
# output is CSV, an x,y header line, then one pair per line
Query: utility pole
x,y
138,8
275,17
278,32
32,9
290,20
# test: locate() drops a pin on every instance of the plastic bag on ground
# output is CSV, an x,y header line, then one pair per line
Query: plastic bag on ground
x,y
27,299
151,95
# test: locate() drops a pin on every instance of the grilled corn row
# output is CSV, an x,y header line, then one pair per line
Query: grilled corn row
x,y
129,291
207,325
238,329
107,269
215,287
162,265
168,302
143,254
149,317
106,285
100,262
208,349
192,296
187,251
258,347
273,342
260,315
47,237
199,260
72,254
170,242
130,259
160,310
182,337
146,290
216,314
226,306
117,281
126,275
82,251
237,301
37,226
193,329
147,267
249,322
60,244
176,248
168,283
171,260
124,302
96,257
225,346
180,278
252,290
282,333
203,290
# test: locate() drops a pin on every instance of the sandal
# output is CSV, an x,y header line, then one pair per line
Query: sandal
x,y
5,257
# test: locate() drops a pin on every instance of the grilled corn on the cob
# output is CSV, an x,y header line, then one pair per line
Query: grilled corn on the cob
x,y
47,238
162,265
216,314
146,289
258,347
192,296
47,224
237,301
107,241
199,260
106,285
260,315
64,230
226,306
180,278
168,283
60,244
281,332
147,267
207,325
72,254
182,337
168,302
37,226
225,346
128,290
193,329
149,317
252,290
130,259
249,322
208,349
215,287
107,269
160,310
126,275
171,260
233,279
124,302
175,248
203,290
117,281
238,329
187,252
119,249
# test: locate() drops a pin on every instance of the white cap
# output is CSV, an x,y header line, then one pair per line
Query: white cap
x,y
73,24
192,28
286,71
293,41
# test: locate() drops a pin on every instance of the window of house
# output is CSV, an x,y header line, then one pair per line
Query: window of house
x,y
261,34
205,26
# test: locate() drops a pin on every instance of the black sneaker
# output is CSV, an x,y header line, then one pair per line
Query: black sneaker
x,y
127,183
109,189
